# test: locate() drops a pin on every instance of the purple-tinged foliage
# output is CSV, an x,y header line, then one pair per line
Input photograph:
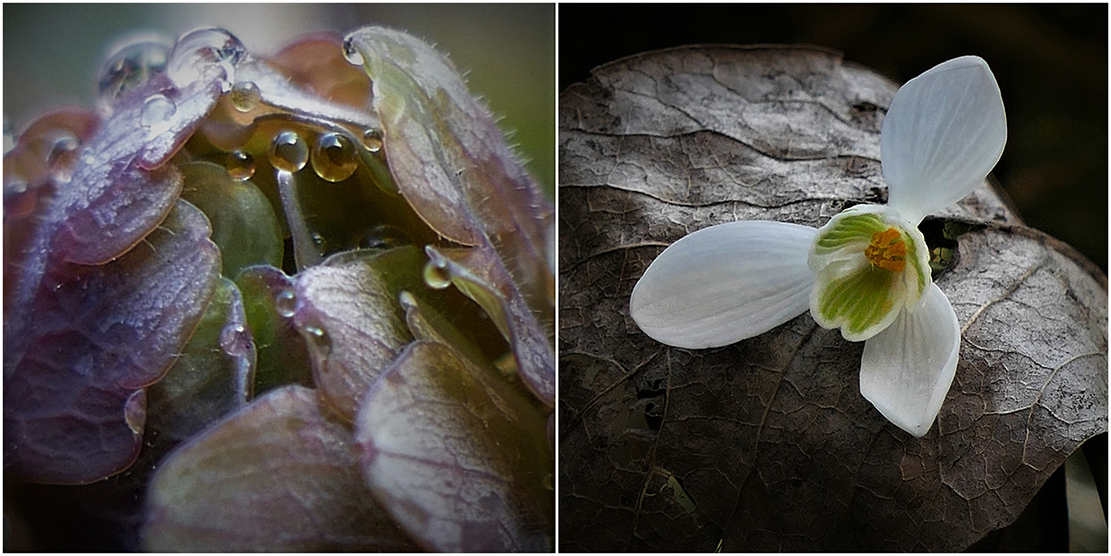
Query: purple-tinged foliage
x,y
458,458
451,163
131,363
75,404
281,475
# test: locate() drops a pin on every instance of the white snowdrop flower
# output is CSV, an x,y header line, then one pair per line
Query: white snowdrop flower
x,y
865,272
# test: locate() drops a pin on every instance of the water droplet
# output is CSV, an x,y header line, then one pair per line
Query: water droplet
x,y
286,303
383,236
15,187
437,275
288,152
230,336
319,339
87,155
129,65
372,139
240,164
201,51
245,96
352,55
319,242
333,157
62,158
157,115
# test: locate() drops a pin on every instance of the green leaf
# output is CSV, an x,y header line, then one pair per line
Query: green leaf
x,y
244,225
283,357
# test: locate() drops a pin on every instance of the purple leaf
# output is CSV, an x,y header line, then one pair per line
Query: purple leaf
x,y
281,475
459,459
113,199
452,164
352,322
476,273
74,404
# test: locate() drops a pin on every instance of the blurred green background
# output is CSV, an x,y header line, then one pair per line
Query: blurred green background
x,y
1050,62
507,52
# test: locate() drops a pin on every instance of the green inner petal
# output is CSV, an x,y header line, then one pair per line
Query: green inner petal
x,y
848,230
921,271
861,299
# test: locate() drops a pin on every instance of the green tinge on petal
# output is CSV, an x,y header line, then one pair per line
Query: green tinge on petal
x,y
859,301
914,264
847,230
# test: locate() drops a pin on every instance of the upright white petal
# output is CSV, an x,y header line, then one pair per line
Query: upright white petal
x,y
944,132
907,369
725,283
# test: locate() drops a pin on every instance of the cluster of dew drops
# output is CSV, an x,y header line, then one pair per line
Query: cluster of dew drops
x,y
333,156
136,59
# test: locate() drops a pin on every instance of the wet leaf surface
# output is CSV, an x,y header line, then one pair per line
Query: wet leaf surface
x,y
74,403
269,302
459,459
280,475
208,381
214,375
452,164
767,445
350,319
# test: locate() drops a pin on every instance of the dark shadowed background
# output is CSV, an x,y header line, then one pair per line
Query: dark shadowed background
x,y
1050,62
52,52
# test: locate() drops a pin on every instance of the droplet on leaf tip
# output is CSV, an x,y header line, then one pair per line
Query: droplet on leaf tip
x,y
351,53
436,275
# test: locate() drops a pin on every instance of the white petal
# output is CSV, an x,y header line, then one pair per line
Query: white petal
x,y
725,283
906,370
944,132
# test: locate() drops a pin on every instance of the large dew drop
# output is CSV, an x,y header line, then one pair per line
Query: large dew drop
x,y
333,157
129,65
201,51
288,152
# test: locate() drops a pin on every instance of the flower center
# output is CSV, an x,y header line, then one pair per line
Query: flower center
x,y
887,250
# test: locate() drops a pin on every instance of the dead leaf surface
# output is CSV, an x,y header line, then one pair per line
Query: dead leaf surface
x,y
767,445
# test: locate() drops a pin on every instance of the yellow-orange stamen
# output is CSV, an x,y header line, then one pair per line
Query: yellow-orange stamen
x,y
888,250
